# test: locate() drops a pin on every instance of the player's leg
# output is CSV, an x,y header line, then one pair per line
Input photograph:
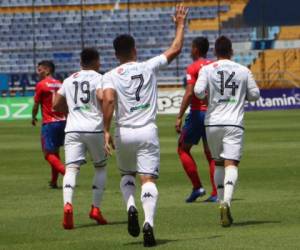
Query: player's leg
x,y
214,136
95,145
213,196
190,136
74,157
148,163
149,197
126,159
51,147
54,178
232,143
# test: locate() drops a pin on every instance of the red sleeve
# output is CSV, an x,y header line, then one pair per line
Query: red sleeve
x,y
190,76
38,93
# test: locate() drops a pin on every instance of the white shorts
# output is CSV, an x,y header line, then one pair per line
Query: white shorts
x,y
138,150
226,142
77,144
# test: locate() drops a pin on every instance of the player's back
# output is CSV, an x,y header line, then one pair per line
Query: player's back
x,y
136,86
84,108
229,84
44,94
192,76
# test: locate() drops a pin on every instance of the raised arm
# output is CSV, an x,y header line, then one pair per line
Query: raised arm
x,y
179,19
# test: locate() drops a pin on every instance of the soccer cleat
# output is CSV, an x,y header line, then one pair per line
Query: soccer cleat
x,y
68,217
196,193
96,215
226,219
133,222
53,185
149,240
212,198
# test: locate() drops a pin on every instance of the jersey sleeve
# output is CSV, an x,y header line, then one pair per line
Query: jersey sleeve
x,y
99,82
252,89
190,76
201,84
62,90
38,93
157,63
107,82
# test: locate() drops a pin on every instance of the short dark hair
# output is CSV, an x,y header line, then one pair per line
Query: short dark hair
x,y
88,56
202,44
124,44
223,47
49,64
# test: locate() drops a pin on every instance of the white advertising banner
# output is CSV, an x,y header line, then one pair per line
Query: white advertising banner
x,y
169,101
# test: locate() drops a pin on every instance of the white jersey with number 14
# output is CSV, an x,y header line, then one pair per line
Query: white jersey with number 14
x,y
228,85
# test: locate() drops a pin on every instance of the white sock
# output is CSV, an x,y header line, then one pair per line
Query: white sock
x,y
231,176
219,181
127,186
69,182
98,185
149,196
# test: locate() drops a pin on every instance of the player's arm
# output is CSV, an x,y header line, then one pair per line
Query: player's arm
x,y
253,93
35,110
108,107
60,102
37,101
186,100
179,19
200,88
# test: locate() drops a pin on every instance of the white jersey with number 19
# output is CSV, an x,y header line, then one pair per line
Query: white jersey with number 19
x,y
135,84
84,109
228,85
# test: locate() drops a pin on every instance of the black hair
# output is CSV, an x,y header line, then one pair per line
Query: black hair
x,y
49,64
202,44
124,44
223,47
88,56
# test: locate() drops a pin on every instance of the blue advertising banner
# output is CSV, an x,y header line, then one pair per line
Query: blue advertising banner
x,y
271,99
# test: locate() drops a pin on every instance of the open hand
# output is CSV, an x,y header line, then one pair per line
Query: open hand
x,y
109,145
180,14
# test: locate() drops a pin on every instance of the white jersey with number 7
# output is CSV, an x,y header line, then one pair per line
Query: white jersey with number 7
x,y
228,85
135,84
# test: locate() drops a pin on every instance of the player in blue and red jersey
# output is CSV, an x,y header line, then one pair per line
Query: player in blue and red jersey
x,y
193,129
53,123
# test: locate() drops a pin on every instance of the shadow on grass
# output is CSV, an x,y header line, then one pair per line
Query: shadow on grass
x,y
97,225
166,241
253,222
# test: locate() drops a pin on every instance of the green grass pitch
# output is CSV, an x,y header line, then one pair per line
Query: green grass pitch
x,y
266,208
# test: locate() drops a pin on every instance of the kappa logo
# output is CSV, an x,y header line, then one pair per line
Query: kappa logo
x,y
229,183
94,187
129,183
68,186
220,187
147,195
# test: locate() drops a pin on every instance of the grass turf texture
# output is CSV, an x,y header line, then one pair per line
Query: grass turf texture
x,y
266,207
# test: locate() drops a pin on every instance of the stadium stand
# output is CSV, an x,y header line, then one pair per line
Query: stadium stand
x,y
57,30
278,68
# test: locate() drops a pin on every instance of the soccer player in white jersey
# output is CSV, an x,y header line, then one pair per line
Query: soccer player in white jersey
x,y
84,132
227,85
131,90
